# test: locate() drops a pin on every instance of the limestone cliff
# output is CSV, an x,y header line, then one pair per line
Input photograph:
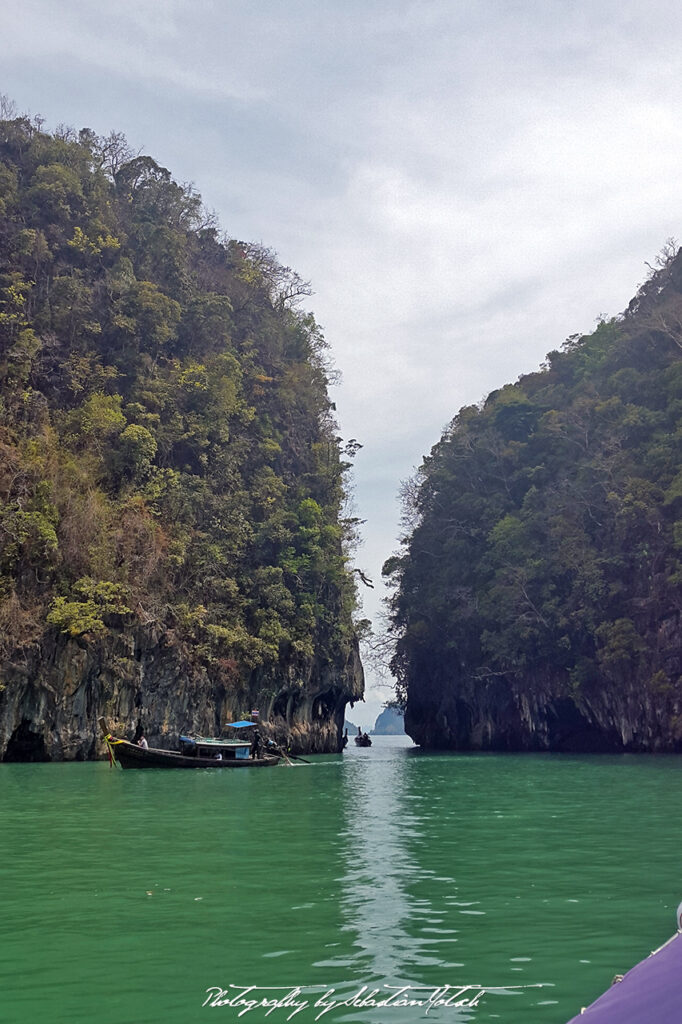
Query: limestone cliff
x,y
51,701
537,601
543,713
173,545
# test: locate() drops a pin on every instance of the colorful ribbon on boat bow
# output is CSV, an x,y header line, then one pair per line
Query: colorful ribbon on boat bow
x,y
110,750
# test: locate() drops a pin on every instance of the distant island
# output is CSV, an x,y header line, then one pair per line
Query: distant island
x,y
390,722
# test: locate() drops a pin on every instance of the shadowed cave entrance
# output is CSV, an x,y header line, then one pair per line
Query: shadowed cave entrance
x,y
569,731
26,745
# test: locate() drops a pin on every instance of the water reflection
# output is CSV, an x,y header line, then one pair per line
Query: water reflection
x,y
395,935
376,905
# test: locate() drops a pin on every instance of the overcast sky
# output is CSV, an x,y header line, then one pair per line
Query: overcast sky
x,y
465,183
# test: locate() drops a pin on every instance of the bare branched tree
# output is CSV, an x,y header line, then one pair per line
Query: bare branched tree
x,y
8,108
287,288
114,151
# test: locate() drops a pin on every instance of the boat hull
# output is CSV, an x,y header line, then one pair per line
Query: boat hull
x,y
129,755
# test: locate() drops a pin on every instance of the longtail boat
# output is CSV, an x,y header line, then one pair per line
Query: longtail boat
x,y
201,752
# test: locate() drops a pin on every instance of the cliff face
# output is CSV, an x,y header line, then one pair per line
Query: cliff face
x,y
537,601
543,713
173,548
52,701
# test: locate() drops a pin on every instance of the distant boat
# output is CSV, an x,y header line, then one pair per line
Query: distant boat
x,y
650,991
363,740
201,752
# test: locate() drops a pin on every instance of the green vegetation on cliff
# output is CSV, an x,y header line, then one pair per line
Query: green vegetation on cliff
x,y
546,534
168,452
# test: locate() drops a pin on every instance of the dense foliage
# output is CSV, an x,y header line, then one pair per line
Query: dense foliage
x,y
167,447
546,524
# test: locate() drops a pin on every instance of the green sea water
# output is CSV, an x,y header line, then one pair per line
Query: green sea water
x,y
136,896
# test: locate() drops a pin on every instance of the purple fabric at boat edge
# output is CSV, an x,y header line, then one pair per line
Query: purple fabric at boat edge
x,y
650,993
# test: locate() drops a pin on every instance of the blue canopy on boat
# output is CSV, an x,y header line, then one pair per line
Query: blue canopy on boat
x,y
238,725
651,991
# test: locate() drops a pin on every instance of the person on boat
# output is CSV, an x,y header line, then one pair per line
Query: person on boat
x,y
142,742
274,748
255,745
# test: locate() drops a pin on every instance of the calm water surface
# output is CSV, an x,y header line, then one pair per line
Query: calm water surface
x,y
126,895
